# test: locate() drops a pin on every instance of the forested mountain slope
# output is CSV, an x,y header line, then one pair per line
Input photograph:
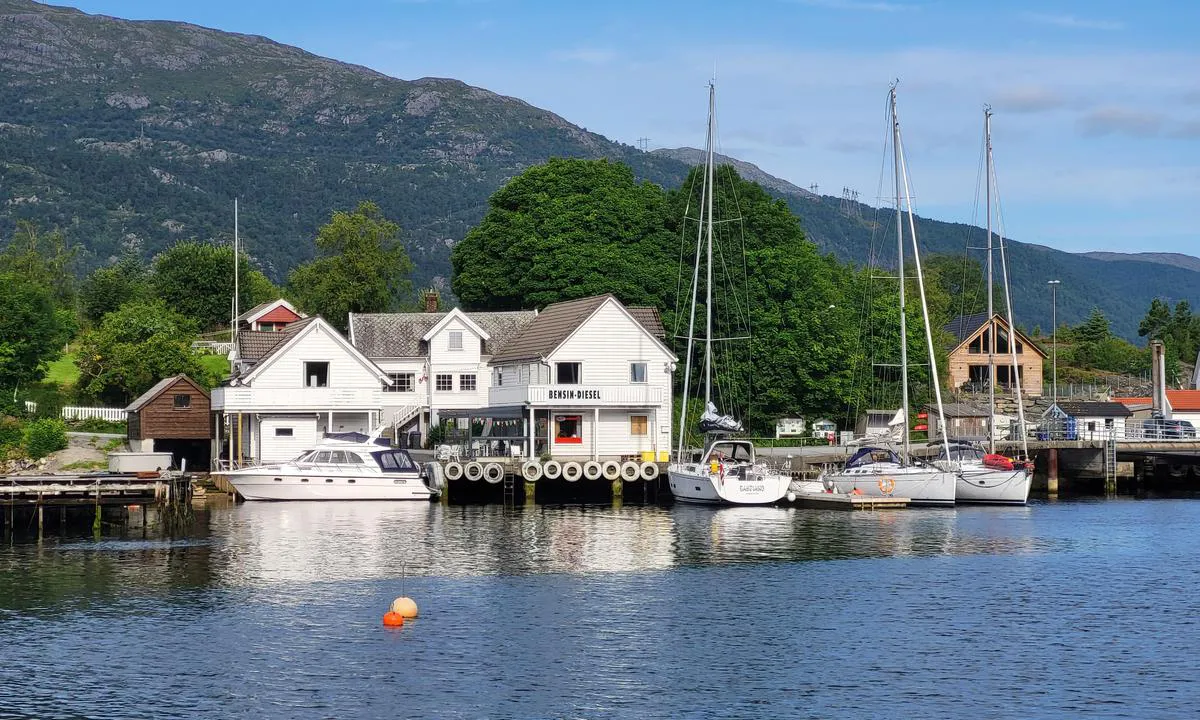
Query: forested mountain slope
x,y
135,135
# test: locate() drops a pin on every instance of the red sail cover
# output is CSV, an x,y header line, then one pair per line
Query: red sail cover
x,y
998,461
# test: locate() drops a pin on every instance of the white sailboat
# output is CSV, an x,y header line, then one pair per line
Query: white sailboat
x,y
880,471
728,471
992,478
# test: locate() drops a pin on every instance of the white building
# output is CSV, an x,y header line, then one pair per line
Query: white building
x,y
591,378
291,386
436,361
1094,419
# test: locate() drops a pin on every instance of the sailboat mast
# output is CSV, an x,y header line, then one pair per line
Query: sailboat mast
x,y
708,324
934,379
900,273
991,332
236,309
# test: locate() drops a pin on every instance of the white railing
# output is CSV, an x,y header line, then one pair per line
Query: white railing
x,y
258,399
30,406
404,415
83,413
1134,431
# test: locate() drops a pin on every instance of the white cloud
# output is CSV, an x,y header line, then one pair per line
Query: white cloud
x,y
1073,22
1116,120
1029,99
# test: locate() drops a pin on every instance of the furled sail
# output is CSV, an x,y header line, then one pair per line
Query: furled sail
x,y
711,421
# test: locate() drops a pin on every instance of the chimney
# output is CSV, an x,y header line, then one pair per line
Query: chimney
x,y
431,301
1158,378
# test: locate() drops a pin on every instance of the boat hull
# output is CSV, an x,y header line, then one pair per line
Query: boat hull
x,y
921,486
989,486
696,484
267,485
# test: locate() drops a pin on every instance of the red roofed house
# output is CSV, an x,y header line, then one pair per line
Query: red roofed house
x,y
269,316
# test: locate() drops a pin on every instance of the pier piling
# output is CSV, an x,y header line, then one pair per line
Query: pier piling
x,y
1052,472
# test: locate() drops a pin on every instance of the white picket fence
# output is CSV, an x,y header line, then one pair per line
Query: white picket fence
x,y
82,413
30,407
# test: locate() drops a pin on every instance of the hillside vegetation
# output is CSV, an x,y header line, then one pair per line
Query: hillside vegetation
x,y
132,136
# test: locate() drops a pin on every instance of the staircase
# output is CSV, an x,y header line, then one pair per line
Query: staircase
x,y
402,417
1110,463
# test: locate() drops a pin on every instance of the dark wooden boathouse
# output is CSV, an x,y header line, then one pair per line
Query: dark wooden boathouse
x,y
172,416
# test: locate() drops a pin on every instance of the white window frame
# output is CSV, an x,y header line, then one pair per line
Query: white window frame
x,y
579,377
454,340
462,382
395,387
645,418
307,375
645,373
437,382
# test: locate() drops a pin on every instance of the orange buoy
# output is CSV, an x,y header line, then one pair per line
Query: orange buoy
x,y
405,607
392,619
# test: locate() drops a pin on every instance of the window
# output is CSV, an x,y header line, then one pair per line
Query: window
x,y
283,432
639,425
567,373
466,382
456,340
401,382
183,402
394,461
568,429
637,372
499,377
976,346
445,383
316,374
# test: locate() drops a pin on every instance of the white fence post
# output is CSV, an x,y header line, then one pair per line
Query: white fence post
x,y
83,413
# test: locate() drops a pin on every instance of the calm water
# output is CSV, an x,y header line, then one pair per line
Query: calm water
x,y
273,611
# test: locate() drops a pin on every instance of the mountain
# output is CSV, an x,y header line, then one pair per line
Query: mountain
x,y
135,135
1173,259
749,171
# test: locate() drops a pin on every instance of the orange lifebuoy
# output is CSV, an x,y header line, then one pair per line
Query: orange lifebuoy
x,y
886,485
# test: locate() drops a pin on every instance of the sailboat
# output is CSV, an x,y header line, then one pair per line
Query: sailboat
x,y
993,478
881,471
727,472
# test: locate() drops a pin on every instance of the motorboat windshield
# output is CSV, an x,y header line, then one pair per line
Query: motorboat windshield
x,y
869,455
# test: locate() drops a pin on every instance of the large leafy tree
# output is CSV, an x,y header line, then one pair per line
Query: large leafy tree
x,y
567,229
108,288
135,347
31,330
361,267
196,279
44,259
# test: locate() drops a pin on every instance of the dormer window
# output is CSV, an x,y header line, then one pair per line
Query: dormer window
x,y
456,340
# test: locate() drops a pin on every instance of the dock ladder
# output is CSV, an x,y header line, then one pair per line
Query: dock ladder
x,y
1110,462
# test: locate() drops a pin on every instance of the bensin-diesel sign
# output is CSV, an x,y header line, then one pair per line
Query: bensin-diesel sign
x,y
574,394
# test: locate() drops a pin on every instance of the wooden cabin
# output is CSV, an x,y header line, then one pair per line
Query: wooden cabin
x,y
975,335
963,422
172,416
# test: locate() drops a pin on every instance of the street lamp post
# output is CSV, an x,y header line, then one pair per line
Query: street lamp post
x,y
1054,337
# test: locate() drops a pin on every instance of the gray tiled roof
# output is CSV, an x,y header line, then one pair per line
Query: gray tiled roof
x,y
395,335
1097,408
255,346
964,326
650,319
959,410
551,327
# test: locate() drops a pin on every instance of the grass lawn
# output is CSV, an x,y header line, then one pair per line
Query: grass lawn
x,y
218,364
63,371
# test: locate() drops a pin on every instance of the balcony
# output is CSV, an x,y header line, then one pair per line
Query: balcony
x,y
252,399
577,396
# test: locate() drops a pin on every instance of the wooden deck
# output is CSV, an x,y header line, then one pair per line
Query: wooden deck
x,y
88,489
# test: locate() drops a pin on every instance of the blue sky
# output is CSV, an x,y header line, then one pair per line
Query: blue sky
x,y
1096,124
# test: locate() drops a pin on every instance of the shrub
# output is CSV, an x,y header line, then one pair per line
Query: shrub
x,y
97,425
43,437
10,432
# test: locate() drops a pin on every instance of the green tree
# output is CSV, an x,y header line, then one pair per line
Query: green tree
x,y
563,230
960,279
1157,321
196,279
45,259
361,267
108,288
32,332
135,347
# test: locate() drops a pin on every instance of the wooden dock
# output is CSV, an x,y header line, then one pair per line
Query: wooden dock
x,y
87,489
839,501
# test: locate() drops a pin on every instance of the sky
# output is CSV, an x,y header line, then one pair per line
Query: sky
x,y
1096,105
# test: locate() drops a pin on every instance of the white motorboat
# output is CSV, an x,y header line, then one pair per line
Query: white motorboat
x,y
335,470
880,472
728,473
992,478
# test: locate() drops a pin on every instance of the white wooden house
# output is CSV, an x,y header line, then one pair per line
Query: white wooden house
x,y
591,378
437,361
290,387
1093,419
